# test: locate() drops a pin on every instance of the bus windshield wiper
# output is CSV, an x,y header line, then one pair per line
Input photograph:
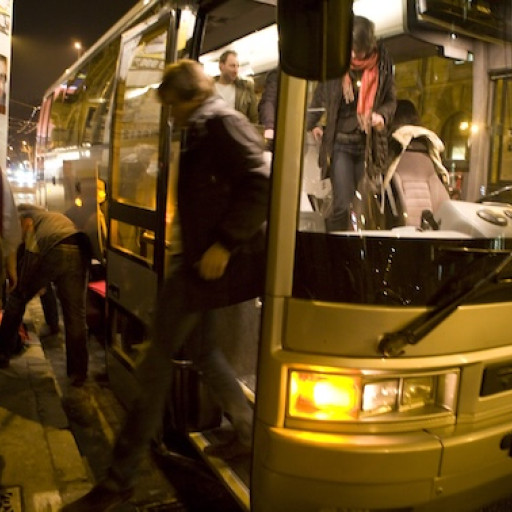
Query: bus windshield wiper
x,y
392,344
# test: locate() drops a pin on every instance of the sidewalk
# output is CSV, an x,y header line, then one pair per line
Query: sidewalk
x,y
40,465
56,440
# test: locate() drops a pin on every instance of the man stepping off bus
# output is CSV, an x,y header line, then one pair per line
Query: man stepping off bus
x,y
222,199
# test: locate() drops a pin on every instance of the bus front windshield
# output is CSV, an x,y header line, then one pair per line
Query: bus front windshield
x,y
398,234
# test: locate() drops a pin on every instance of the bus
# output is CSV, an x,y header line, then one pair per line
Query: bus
x,y
379,358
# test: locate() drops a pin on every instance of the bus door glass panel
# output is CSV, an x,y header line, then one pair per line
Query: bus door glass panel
x,y
185,33
135,158
97,102
316,194
172,229
501,131
98,94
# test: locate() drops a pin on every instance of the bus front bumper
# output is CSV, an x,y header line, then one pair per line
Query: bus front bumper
x,y
312,472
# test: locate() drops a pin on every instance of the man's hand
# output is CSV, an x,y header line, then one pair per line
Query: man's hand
x,y
214,262
318,133
268,134
377,121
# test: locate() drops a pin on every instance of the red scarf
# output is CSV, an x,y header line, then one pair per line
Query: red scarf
x,y
368,90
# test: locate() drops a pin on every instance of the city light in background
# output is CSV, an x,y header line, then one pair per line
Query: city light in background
x,y
46,39
78,47
23,120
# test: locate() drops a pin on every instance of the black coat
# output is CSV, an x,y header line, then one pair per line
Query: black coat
x,y
268,103
329,96
223,192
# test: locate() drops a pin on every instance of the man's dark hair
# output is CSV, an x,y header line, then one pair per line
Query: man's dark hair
x,y
187,79
405,113
224,57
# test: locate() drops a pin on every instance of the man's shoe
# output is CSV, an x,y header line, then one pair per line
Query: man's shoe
x,y
79,408
99,499
77,381
4,361
228,451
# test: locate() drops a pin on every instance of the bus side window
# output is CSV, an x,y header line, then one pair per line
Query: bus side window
x,y
98,94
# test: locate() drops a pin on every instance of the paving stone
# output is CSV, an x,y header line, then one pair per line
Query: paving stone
x,y
66,458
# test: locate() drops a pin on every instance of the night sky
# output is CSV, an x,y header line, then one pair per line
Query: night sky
x,y
44,32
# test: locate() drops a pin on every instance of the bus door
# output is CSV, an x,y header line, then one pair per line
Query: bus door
x,y
137,194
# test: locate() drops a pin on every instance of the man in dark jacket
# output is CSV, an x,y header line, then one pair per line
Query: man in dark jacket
x,y
358,109
55,251
267,107
222,200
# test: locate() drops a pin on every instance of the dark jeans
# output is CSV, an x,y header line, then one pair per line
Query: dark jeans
x,y
347,168
174,326
66,267
48,299
50,308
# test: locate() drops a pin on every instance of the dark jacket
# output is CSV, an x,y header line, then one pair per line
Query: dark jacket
x,y
328,95
50,229
268,102
223,192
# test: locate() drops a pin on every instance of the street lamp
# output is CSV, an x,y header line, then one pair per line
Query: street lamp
x,y
78,48
27,149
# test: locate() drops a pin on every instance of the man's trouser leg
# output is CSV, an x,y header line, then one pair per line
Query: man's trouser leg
x,y
220,377
50,308
11,321
173,327
71,284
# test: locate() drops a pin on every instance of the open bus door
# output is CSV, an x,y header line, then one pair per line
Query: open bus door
x,y
143,230
137,194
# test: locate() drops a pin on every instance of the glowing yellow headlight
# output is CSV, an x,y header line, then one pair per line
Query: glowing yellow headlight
x,y
323,396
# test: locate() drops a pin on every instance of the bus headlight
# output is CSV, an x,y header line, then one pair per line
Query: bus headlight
x,y
323,396
335,397
380,397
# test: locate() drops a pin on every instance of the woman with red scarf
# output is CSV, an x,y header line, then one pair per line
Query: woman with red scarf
x,y
358,109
